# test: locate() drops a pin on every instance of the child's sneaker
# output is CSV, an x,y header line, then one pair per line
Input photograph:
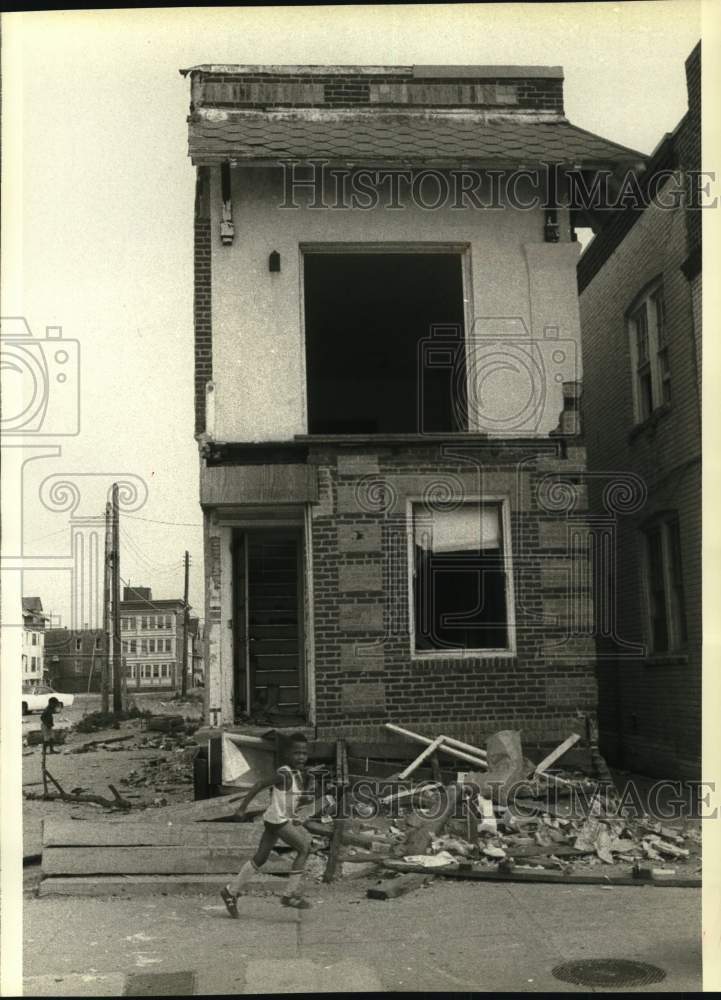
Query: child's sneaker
x,y
231,902
297,902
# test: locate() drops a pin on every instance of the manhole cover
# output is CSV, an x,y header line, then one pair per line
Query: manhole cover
x,y
608,972
160,984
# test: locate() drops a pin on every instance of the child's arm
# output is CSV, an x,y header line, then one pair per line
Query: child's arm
x,y
280,779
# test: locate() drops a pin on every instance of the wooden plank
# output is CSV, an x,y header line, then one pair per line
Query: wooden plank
x,y
451,741
394,888
139,885
417,738
202,811
516,874
556,754
429,750
69,833
144,860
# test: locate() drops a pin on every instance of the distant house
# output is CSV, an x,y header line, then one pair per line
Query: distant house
x,y
33,647
75,659
640,293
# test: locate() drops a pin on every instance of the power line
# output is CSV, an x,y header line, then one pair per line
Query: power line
x,y
139,554
152,520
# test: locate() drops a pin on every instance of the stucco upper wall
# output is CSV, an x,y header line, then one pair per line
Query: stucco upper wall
x,y
517,287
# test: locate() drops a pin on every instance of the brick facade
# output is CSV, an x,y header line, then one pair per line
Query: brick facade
x,y
353,90
650,705
365,674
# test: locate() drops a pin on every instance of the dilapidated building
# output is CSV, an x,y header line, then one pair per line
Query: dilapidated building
x,y
640,285
387,386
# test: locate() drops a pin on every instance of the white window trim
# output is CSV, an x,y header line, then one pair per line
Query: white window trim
x,y
507,652
675,645
647,296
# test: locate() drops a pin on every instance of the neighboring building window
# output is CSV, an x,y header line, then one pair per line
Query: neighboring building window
x,y
144,646
78,644
33,662
131,624
98,642
649,353
667,629
156,670
125,646
461,579
34,639
168,645
133,645
78,667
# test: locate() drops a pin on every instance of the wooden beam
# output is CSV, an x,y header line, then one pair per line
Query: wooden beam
x,y
139,885
469,748
513,873
429,750
144,860
68,833
417,738
557,753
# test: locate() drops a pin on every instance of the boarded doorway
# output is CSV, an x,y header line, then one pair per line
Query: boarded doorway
x,y
268,626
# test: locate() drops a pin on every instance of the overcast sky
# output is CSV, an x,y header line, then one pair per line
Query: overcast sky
x,y
103,246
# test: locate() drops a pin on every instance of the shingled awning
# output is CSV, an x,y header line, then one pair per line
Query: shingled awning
x,y
449,140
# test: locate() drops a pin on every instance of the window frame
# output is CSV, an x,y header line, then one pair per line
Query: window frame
x,y
461,249
507,652
675,611
650,302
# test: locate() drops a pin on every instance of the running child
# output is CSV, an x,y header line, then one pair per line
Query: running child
x,y
281,822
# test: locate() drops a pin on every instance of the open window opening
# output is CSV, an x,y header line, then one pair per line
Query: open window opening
x,y
461,581
385,343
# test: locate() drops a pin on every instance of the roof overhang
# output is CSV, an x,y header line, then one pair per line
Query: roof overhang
x,y
419,138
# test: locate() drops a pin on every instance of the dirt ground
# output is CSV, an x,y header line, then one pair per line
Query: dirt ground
x,y
148,768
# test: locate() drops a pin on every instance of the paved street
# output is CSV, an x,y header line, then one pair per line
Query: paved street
x,y
449,936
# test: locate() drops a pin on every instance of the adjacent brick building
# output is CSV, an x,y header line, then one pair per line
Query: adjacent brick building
x,y
640,285
387,384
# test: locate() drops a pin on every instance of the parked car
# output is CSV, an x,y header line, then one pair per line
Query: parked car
x,y
37,696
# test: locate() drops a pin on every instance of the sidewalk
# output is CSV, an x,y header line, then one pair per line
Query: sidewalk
x,y
448,936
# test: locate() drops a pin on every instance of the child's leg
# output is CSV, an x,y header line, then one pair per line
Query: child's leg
x,y
249,869
298,838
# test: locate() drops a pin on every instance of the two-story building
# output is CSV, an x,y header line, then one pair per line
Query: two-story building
x,y
33,644
640,285
387,383
75,659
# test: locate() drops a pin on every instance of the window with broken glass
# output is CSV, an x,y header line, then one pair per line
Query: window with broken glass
x,y
461,580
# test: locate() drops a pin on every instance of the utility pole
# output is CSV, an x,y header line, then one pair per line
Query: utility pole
x,y
105,677
184,679
117,657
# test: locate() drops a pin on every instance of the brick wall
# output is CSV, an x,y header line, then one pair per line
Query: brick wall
x,y
346,90
650,715
365,674
202,316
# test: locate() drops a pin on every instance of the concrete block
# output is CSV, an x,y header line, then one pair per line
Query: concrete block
x,y
360,577
360,617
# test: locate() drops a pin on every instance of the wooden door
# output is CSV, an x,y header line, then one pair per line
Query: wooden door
x,y
269,624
